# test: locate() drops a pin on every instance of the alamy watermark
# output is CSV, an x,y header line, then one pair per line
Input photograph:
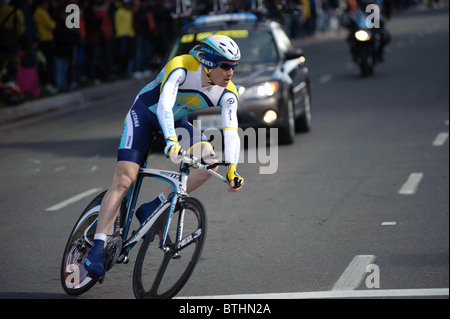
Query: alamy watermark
x,y
373,278
73,17
373,19
258,146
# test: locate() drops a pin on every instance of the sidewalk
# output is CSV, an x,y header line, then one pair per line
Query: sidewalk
x,y
76,99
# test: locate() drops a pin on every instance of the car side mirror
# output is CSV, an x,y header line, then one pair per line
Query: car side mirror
x,y
293,54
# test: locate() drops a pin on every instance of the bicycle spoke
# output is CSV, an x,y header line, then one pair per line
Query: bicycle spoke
x,y
160,274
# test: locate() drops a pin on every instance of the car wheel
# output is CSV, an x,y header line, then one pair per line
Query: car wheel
x,y
287,135
303,123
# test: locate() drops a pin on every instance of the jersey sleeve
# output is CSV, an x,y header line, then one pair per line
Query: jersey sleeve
x,y
229,106
169,89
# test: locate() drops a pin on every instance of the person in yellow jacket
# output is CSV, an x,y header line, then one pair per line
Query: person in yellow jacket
x,y
12,21
123,19
46,26
12,25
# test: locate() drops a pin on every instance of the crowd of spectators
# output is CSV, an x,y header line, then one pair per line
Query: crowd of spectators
x,y
46,47
46,50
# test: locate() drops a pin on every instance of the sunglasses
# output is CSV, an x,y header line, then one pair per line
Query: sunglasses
x,y
227,66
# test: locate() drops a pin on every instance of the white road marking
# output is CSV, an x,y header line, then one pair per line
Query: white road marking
x,y
73,199
325,78
411,185
355,272
440,139
372,293
388,223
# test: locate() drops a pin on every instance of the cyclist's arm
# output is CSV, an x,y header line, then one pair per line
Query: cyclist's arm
x,y
230,128
167,99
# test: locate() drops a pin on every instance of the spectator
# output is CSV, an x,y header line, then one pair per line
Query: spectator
x,y
106,37
164,29
12,27
145,26
92,43
46,25
79,57
125,35
27,76
65,41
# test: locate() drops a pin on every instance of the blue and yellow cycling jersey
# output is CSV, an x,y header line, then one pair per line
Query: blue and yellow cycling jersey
x,y
179,87
177,91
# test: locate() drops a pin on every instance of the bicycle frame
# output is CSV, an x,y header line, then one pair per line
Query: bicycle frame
x,y
178,180
120,241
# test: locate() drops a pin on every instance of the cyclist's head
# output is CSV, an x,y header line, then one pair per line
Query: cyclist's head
x,y
216,48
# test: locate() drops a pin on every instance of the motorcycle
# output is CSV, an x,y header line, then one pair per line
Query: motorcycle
x,y
365,46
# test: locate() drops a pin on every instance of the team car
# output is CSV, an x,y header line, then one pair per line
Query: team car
x,y
272,77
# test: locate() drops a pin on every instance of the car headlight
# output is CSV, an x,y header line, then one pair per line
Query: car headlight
x,y
362,35
270,116
262,90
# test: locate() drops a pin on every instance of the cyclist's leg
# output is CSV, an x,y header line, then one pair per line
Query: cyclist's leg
x,y
133,146
194,142
198,177
126,172
124,176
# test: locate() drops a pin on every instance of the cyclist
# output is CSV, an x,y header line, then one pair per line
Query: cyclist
x,y
186,84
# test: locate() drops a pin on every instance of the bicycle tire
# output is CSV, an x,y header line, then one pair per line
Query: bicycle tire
x,y
74,278
152,276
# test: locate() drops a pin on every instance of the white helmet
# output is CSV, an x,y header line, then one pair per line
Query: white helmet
x,y
216,48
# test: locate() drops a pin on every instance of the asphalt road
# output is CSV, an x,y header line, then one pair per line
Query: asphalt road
x,y
333,206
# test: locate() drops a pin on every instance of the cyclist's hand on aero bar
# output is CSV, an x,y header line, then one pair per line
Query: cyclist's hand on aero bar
x,y
173,149
235,181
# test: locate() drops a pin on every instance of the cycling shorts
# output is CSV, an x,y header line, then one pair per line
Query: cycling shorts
x,y
139,126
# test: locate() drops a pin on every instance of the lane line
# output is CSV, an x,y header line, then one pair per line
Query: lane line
x,y
354,274
388,223
73,199
372,293
326,78
440,139
411,185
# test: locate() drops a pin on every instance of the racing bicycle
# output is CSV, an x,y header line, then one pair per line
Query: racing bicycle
x,y
173,237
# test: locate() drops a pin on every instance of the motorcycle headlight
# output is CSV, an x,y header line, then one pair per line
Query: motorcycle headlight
x,y
362,35
262,90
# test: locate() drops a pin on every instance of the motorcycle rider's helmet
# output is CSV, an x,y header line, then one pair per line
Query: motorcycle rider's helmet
x,y
215,48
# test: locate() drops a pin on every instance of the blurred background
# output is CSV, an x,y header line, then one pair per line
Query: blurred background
x,y
114,39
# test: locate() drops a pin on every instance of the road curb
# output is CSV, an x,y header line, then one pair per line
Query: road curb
x,y
75,99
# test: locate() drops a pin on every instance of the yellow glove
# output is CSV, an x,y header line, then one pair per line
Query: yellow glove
x,y
233,176
172,149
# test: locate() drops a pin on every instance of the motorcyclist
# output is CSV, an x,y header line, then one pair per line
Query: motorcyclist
x,y
357,16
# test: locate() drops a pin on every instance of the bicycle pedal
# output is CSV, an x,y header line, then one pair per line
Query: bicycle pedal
x,y
99,279
126,258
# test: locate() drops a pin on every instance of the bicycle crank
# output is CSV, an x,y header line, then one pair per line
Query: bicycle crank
x,y
112,251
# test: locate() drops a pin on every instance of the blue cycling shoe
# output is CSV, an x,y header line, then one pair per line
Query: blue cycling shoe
x,y
147,209
94,261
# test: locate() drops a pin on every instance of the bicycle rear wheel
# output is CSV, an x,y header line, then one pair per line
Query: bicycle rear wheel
x,y
74,278
158,274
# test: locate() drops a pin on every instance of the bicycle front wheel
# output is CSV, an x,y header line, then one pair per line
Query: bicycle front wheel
x,y
159,274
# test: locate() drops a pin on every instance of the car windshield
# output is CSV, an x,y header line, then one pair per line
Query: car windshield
x,y
256,46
